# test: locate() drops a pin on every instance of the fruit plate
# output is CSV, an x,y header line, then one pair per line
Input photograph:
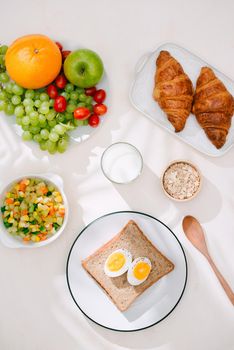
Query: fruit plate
x,y
151,307
81,133
142,90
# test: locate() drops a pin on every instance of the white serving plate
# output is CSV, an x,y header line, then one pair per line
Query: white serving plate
x,y
156,303
16,242
142,90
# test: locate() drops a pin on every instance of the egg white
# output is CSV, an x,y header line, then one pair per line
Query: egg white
x,y
124,268
130,277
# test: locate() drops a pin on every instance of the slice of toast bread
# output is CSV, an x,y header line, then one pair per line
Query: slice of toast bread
x,y
119,290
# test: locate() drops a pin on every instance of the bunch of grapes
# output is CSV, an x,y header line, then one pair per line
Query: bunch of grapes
x,y
37,114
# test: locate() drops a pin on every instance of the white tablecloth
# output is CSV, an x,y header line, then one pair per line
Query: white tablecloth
x,y
36,310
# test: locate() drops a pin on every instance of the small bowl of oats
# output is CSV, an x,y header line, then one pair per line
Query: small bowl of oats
x,y
181,181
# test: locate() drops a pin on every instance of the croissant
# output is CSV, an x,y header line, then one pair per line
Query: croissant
x,y
173,90
213,107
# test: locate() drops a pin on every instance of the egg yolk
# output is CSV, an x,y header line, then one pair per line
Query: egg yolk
x,y
141,270
116,261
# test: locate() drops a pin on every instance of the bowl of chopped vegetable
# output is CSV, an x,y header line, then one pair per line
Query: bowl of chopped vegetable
x,y
34,211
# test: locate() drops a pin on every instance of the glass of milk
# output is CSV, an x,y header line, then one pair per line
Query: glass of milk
x,y
121,163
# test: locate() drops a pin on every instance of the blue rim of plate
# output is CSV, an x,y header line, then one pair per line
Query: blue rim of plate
x,y
119,212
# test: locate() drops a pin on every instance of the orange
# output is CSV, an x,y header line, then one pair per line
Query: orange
x,y
33,61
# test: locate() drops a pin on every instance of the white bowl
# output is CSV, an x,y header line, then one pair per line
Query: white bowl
x,y
16,242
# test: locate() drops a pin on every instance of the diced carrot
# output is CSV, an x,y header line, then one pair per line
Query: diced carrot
x,y
24,212
52,211
61,212
26,239
9,200
22,186
44,190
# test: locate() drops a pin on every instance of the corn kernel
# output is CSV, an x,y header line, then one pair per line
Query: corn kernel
x,y
10,220
37,239
58,199
25,218
17,203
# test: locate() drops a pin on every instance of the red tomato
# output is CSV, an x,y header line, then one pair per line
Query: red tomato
x,y
90,91
65,54
81,113
60,81
99,96
94,120
60,104
52,91
59,45
100,109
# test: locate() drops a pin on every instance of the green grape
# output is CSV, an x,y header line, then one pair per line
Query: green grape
x,y
28,102
60,118
34,129
89,100
62,145
3,95
36,95
59,129
27,136
42,119
37,138
82,97
16,100
70,108
19,111
78,122
3,49
90,107
2,105
43,145
74,95
73,102
2,60
37,103
8,87
66,137
30,94
24,127
44,109
44,134
44,97
68,116
81,104
85,122
17,90
9,109
25,120
51,115
51,146
53,137
65,95
69,87
4,78
80,90
18,120
52,123
34,115
51,102
29,109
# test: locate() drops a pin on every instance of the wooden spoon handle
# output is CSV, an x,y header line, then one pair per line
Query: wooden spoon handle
x,y
222,280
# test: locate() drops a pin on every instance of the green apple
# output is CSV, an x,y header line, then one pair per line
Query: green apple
x,y
83,68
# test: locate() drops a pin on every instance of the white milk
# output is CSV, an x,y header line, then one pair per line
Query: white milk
x,y
121,163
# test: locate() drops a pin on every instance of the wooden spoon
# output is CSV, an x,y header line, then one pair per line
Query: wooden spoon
x,y
195,234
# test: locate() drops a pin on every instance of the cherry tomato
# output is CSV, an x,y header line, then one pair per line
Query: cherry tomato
x,y
90,91
61,81
81,113
60,104
52,91
65,54
99,96
94,120
100,109
59,45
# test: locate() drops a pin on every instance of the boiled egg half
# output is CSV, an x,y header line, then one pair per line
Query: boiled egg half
x,y
139,271
117,263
